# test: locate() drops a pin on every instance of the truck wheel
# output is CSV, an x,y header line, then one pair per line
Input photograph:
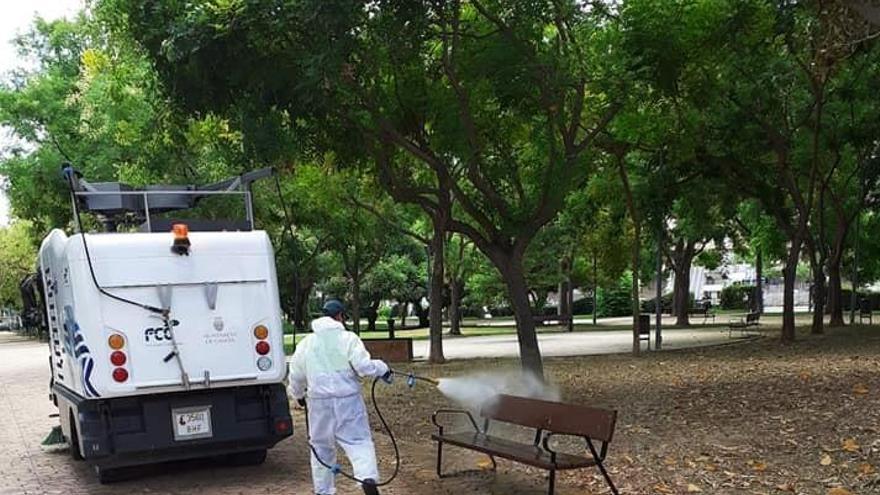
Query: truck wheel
x,y
250,458
74,441
106,475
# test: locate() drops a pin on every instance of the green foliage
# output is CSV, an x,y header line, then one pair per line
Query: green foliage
x,y
650,305
742,121
94,100
17,260
736,296
616,299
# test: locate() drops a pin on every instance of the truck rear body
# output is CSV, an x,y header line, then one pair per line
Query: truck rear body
x,y
121,392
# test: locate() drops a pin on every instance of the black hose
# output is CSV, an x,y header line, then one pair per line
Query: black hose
x,y
337,470
103,291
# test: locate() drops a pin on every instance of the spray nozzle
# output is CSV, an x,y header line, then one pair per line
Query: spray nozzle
x,y
336,469
411,380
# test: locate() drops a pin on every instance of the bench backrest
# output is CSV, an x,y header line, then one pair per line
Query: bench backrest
x,y
556,417
753,317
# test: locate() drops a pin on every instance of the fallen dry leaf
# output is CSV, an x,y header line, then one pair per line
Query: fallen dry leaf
x,y
787,487
850,445
692,488
826,460
860,389
866,469
759,466
839,491
662,488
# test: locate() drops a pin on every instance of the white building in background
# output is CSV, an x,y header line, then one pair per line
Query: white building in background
x,y
710,283
705,282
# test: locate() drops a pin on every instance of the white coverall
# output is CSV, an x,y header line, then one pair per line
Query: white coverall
x,y
327,364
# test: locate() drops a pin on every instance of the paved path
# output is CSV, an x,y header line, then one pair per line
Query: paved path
x,y
569,344
26,470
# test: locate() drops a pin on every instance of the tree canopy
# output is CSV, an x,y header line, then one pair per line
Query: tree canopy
x,y
450,156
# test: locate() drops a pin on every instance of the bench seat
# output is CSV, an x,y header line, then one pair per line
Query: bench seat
x,y
547,420
523,453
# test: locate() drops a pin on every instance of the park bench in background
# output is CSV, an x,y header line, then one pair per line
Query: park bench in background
x,y
548,420
743,323
866,312
561,320
704,311
645,330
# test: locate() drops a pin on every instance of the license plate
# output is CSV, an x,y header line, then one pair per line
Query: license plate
x,y
191,422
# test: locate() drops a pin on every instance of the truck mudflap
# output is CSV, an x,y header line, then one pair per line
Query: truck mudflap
x,y
128,431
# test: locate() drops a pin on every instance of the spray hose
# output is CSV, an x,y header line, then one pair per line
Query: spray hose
x,y
336,469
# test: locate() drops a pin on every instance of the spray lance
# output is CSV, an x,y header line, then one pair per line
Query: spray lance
x,y
411,380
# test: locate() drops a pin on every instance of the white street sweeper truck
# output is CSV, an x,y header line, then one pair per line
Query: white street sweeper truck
x,y
165,335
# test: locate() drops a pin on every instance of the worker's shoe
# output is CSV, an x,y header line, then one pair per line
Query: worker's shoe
x,y
370,487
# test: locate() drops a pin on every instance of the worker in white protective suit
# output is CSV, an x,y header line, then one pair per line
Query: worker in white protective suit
x,y
327,366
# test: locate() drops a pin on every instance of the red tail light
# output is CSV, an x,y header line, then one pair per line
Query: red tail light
x,y
282,426
118,358
120,375
262,348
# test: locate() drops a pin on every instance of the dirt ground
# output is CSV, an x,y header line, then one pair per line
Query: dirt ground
x,y
752,417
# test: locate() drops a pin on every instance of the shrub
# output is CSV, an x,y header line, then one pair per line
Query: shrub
x,y
616,300
648,306
583,306
384,312
736,296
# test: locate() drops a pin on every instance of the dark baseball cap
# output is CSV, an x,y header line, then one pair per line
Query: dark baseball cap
x,y
333,307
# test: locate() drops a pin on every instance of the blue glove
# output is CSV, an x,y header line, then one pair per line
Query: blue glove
x,y
388,377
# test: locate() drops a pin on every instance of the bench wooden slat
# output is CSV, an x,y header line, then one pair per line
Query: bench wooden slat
x,y
515,451
569,419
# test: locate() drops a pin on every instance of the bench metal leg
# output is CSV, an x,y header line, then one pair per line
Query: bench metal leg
x,y
552,489
439,459
604,472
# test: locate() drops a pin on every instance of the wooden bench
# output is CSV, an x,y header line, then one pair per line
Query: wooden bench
x,y
743,323
703,311
561,320
548,419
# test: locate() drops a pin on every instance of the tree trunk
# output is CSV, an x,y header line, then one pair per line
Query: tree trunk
x,y
682,290
835,285
373,315
404,309
636,309
595,289
818,327
435,317
564,291
658,292
297,310
636,249
789,276
562,308
356,303
454,308
301,293
511,269
422,314
835,295
758,304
